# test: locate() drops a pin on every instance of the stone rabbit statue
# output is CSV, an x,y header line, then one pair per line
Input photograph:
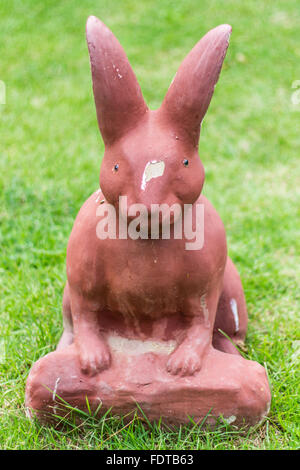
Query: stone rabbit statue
x,y
147,313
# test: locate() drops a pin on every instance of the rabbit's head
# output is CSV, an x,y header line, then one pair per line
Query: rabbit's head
x,y
152,156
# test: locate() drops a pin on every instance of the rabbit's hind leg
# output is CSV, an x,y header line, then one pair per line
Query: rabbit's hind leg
x,y
67,336
231,317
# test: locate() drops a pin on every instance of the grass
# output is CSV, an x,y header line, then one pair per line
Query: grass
x,y
50,158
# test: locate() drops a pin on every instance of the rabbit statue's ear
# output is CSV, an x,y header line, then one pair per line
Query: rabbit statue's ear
x,y
118,97
189,94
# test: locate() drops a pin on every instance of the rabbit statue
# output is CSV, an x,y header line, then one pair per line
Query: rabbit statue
x,y
145,317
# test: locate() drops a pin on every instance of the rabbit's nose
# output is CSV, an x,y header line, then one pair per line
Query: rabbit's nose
x,y
153,169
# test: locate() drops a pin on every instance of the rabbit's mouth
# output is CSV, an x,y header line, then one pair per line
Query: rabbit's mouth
x,y
150,217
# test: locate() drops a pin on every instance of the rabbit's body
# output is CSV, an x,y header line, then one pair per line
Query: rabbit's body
x,y
151,315
148,288
155,287
142,278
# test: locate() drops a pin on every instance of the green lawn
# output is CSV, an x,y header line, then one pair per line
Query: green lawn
x,y
50,154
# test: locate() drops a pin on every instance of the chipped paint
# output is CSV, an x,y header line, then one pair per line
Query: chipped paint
x,y
98,194
135,347
204,306
230,419
153,169
118,71
234,309
55,388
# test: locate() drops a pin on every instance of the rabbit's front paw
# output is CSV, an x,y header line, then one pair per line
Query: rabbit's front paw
x,y
94,356
184,361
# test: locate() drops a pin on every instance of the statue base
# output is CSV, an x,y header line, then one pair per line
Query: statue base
x,y
227,385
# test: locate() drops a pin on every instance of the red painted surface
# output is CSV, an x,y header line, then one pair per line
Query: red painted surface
x,y
142,317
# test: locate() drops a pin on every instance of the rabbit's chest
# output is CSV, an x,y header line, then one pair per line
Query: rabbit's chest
x,y
155,283
147,287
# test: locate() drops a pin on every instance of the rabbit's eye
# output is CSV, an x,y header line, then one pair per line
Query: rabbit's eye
x,y
116,167
185,162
